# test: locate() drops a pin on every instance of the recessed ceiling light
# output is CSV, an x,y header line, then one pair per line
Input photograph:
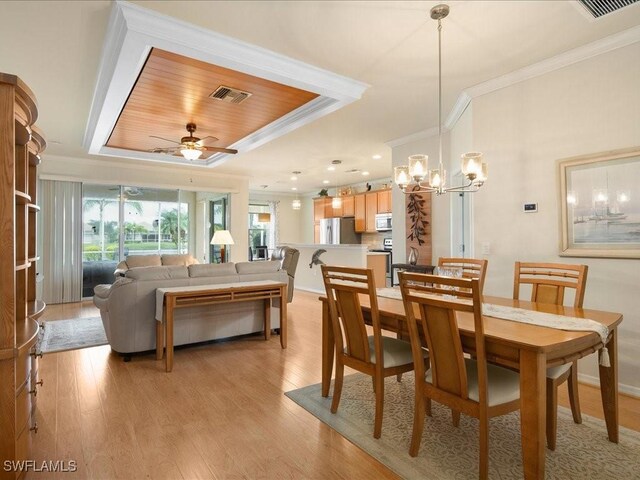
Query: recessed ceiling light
x,y
331,168
376,157
325,181
364,174
294,188
294,178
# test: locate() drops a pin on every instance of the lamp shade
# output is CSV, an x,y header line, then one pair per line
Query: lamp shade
x,y
191,153
264,217
222,237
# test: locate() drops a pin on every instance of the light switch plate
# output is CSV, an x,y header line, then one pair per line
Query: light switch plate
x,y
530,207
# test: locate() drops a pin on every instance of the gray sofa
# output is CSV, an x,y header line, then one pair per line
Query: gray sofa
x,y
127,307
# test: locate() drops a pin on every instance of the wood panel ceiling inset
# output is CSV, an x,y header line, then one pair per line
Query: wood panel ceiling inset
x,y
173,90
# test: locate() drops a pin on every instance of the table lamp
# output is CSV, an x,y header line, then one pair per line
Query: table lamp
x,y
222,238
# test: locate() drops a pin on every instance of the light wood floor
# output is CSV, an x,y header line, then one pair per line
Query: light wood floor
x,y
221,413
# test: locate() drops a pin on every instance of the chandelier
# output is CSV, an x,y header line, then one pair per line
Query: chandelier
x,y
416,176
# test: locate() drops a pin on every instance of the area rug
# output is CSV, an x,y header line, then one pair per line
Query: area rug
x,y
582,451
61,335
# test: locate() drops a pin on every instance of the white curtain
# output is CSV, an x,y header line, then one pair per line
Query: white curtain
x,y
274,233
61,207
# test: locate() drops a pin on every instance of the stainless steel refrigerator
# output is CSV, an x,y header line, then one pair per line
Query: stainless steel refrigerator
x,y
339,230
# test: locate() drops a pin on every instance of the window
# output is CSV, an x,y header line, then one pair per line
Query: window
x,y
260,231
123,220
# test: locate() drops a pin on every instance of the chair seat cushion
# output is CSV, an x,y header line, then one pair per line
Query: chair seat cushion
x,y
396,352
503,385
555,372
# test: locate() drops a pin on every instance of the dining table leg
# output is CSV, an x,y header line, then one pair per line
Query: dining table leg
x,y
609,388
533,367
328,347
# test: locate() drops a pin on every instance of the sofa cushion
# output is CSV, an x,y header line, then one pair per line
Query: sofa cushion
x,y
244,268
158,273
134,261
175,259
212,270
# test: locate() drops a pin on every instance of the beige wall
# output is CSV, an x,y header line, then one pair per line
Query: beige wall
x,y
523,130
150,174
290,219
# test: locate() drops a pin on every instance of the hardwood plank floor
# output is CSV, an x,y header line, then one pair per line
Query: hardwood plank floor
x,y
221,413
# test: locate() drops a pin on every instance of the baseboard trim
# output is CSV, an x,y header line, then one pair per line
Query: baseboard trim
x,y
622,388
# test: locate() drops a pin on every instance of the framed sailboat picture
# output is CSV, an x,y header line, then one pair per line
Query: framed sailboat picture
x,y
600,204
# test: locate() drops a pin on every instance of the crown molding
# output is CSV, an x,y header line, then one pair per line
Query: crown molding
x,y
579,54
133,31
413,137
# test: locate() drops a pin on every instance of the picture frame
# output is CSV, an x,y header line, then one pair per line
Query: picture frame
x,y
599,197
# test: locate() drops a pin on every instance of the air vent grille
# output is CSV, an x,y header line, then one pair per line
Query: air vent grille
x,y
599,8
230,95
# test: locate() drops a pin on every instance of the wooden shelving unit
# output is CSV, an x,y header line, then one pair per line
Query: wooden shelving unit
x,y
20,145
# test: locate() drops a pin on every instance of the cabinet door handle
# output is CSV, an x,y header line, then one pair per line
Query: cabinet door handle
x,y
34,392
34,429
36,354
40,382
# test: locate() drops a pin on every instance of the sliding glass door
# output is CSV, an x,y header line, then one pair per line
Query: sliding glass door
x,y
124,220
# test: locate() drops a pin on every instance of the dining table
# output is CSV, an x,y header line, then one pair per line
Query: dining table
x,y
529,349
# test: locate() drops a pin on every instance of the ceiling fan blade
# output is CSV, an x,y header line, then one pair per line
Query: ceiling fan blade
x,y
164,150
201,141
220,150
165,139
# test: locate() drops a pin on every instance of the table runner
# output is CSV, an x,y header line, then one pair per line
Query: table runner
x,y
532,317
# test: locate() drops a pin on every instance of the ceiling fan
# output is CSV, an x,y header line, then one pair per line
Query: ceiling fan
x,y
191,147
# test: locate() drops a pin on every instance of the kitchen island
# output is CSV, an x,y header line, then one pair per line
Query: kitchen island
x,y
308,274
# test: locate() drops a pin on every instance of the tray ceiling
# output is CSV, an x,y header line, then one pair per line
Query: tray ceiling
x,y
173,90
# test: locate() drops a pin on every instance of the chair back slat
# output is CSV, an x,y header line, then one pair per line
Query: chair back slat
x,y
471,267
438,307
443,342
550,280
350,314
343,286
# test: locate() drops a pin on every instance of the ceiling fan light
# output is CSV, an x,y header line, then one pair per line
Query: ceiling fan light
x,y
191,153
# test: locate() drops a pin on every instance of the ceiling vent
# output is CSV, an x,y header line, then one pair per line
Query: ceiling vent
x,y
230,95
600,8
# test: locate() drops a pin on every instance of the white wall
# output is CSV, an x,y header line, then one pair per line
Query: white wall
x,y
523,130
440,206
150,174
290,219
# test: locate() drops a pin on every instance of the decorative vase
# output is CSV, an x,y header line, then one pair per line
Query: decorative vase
x,y
413,256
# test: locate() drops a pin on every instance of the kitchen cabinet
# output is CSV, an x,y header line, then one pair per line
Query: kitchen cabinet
x,y
316,232
378,263
348,206
371,209
323,208
360,213
384,201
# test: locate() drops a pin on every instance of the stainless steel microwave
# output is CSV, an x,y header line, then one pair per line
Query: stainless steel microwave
x,y
383,222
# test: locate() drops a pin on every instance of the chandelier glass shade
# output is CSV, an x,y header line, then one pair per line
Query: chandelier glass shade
x,y
296,204
416,176
191,152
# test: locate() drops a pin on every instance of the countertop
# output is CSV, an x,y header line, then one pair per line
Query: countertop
x,y
378,253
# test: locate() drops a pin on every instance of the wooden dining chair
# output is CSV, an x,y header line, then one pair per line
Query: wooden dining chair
x,y
471,267
376,355
548,284
468,385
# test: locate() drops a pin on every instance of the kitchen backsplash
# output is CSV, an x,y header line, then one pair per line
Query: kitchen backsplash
x,y
374,240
